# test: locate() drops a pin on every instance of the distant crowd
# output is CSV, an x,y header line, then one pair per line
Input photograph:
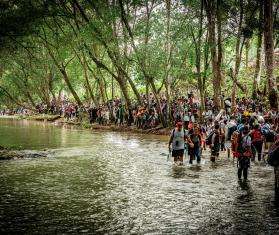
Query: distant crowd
x,y
145,116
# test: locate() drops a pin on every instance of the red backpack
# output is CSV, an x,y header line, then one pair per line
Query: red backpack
x,y
257,136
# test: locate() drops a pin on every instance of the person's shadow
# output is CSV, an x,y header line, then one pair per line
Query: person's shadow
x,y
244,185
178,171
183,171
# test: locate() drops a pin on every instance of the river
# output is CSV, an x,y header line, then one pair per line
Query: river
x,y
106,182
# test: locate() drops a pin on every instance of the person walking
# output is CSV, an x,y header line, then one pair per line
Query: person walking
x,y
245,153
195,146
215,143
177,143
257,141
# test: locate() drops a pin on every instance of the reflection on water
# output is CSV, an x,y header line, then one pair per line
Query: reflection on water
x,y
122,183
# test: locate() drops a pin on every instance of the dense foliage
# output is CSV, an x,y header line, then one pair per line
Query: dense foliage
x,y
92,51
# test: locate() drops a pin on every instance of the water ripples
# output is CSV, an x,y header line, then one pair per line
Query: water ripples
x,y
122,183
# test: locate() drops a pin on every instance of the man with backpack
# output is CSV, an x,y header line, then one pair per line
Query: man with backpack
x,y
245,153
215,142
257,141
177,141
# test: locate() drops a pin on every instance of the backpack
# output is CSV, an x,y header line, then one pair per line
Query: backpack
x,y
235,141
240,127
208,139
199,140
266,130
172,133
273,155
270,136
256,136
245,152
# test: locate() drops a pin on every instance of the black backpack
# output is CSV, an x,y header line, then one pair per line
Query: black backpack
x,y
273,155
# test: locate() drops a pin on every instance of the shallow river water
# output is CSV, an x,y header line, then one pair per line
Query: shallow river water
x,y
105,182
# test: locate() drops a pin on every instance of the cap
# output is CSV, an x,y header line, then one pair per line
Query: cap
x,y
179,124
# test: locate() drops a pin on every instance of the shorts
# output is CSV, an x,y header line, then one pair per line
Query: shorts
x,y
177,153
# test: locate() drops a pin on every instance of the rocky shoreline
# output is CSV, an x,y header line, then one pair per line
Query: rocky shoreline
x,y
9,154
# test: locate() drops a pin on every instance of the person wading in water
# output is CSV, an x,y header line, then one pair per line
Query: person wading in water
x,y
245,153
177,142
215,143
195,150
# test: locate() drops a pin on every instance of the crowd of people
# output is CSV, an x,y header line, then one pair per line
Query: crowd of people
x,y
145,115
246,133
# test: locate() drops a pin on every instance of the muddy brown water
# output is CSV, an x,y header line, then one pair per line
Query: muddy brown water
x,y
120,183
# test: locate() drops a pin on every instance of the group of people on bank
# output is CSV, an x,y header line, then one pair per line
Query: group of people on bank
x,y
246,137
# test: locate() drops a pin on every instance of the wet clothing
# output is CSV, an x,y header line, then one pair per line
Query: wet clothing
x,y
216,144
257,143
177,153
178,139
195,152
243,165
244,158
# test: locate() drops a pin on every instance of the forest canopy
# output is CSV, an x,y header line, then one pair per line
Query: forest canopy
x,y
92,51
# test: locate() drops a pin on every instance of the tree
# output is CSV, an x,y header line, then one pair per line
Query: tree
x,y
269,53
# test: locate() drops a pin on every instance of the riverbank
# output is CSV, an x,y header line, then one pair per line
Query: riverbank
x,y
95,126
9,154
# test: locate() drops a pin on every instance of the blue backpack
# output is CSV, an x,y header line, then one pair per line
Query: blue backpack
x,y
265,129
240,127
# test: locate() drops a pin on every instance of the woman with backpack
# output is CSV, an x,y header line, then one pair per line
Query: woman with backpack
x,y
245,153
257,141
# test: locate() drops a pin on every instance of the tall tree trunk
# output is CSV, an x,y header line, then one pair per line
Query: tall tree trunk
x,y
123,86
238,53
87,84
101,86
205,63
220,52
69,85
247,48
269,52
28,94
65,76
198,60
211,18
258,64
141,62
50,86
168,65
